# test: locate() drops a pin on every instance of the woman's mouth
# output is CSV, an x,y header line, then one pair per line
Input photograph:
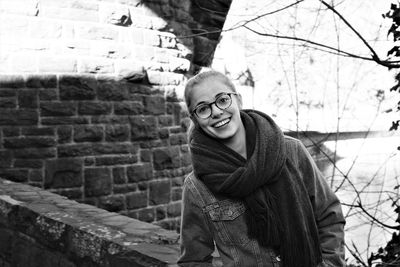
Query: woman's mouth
x,y
221,123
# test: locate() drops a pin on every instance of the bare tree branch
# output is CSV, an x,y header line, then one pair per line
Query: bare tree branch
x,y
359,205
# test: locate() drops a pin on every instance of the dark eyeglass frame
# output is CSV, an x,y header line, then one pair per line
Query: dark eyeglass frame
x,y
210,105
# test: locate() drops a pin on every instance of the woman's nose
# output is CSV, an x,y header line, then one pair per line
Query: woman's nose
x,y
215,111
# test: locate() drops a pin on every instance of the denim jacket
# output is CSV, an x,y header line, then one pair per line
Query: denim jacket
x,y
212,221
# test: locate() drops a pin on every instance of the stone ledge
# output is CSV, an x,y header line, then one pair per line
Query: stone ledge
x,y
82,232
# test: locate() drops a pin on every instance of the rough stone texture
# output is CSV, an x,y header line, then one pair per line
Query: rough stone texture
x,y
97,182
91,99
39,228
63,173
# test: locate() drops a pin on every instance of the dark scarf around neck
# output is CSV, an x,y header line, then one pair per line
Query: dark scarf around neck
x,y
280,214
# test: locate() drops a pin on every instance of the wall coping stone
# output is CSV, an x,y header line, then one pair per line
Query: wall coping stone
x,y
84,231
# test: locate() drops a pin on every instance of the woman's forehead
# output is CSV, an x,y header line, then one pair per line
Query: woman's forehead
x,y
208,90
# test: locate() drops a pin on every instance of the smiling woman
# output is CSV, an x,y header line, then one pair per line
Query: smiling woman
x,y
254,193
222,120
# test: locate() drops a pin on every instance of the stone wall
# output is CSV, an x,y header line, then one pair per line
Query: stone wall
x,y
114,144
90,98
38,228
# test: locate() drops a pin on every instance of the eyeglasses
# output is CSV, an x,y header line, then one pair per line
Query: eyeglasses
x,y
223,101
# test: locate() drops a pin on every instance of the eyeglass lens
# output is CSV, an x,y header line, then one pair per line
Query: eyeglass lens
x,y
222,102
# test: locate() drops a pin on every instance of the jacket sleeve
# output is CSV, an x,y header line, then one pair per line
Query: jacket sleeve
x,y
327,210
196,242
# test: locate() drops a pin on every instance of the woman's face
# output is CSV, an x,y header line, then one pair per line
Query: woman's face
x,y
222,124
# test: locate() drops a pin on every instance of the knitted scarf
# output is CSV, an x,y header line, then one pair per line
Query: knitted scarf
x,y
279,212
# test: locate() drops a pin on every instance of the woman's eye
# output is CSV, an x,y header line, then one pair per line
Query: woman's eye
x,y
202,109
223,99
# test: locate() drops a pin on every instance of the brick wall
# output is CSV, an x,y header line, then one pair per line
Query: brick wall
x,y
118,145
91,98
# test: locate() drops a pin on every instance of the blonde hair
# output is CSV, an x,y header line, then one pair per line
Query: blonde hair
x,y
202,76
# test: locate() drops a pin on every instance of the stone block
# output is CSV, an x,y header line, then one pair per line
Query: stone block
x,y
64,120
27,98
130,2
18,117
151,38
51,108
23,62
136,36
94,108
5,158
174,209
89,161
98,182
35,131
35,153
94,66
85,133
25,142
11,131
168,41
131,71
36,176
146,215
136,200
116,160
186,159
144,53
25,8
74,193
7,92
112,203
176,194
166,158
53,64
116,15
15,175
161,213
65,13
154,105
64,134
165,120
96,32
119,175
8,102
41,81
112,91
143,128
28,163
164,78
137,90
128,108
163,133
124,188
48,94
63,173
176,110
77,87
178,139
117,133
42,29
79,150
137,173
180,65
159,192
145,155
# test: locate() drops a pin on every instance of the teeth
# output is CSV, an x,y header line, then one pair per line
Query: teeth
x,y
221,123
